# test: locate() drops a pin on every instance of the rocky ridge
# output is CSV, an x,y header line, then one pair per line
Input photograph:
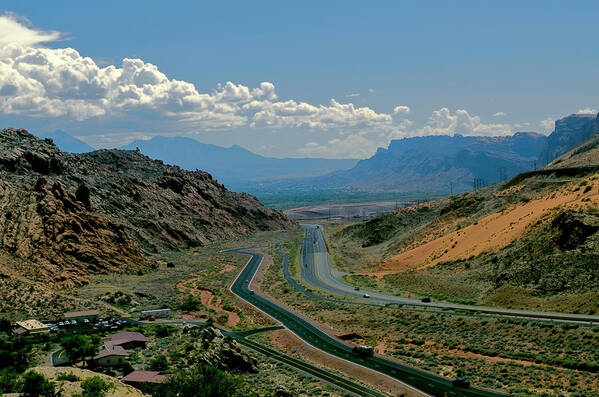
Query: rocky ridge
x,y
66,216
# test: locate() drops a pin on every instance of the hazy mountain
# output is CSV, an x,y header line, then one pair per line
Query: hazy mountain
x,y
233,165
436,163
66,142
569,132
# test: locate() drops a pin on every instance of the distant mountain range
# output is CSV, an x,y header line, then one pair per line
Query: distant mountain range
x,y
426,164
66,142
446,163
233,166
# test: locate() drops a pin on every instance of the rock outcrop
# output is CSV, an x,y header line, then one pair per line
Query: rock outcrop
x,y
219,351
569,132
66,216
69,388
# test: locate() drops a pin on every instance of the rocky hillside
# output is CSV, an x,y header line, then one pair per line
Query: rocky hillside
x,y
531,242
65,216
585,154
569,132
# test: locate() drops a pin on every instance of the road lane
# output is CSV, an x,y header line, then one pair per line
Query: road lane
x,y
419,379
317,271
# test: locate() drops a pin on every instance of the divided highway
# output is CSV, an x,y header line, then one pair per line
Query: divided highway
x,y
420,380
316,270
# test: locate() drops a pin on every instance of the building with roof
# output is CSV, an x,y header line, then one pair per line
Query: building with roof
x,y
127,340
30,327
137,377
109,356
90,315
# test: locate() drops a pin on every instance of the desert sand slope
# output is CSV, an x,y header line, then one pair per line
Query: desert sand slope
x,y
489,234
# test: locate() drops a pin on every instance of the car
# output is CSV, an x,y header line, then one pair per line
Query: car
x,y
86,321
357,288
461,383
61,324
366,296
252,292
247,281
426,300
363,350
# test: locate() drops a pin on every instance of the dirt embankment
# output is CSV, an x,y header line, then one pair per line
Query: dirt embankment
x,y
488,234
207,298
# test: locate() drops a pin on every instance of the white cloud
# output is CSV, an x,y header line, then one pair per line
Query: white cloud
x,y
547,125
351,146
18,30
587,110
352,95
61,83
63,86
443,122
401,110
499,114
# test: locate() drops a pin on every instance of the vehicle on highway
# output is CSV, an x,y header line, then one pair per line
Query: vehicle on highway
x,y
357,288
426,300
366,296
363,350
247,281
252,292
460,382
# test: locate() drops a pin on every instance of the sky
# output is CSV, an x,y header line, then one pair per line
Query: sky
x,y
334,79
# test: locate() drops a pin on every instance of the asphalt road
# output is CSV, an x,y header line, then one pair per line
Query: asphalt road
x,y
317,271
420,380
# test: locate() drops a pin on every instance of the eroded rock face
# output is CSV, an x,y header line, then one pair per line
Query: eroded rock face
x,y
160,206
569,132
71,215
223,352
58,239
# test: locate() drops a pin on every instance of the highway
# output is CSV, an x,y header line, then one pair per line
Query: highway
x,y
317,271
420,380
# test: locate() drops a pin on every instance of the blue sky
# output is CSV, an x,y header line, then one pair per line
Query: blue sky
x,y
470,67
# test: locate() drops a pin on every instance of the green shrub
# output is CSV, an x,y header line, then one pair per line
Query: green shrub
x,y
36,385
200,382
159,363
70,377
95,387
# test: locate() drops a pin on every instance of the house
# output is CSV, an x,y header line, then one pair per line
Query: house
x,y
137,377
90,315
30,327
110,356
127,340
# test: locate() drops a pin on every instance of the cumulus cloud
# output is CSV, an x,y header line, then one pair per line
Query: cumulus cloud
x,y
65,86
43,82
499,114
401,110
444,122
18,30
352,146
547,125
587,110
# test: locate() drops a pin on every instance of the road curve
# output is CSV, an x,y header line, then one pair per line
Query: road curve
x,y
316,270
420,380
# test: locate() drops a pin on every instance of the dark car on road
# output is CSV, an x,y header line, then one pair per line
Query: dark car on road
x,y
460,382
426,300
